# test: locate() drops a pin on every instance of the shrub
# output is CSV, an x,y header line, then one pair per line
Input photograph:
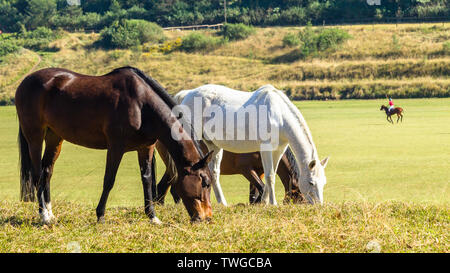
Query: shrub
x,y
446,47
166,47
331,38
130,33
7,47
314,41
293,16
39,33
291,40
237,31
37,39
196,41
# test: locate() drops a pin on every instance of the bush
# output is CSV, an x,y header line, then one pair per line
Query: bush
x,y
315,41
293,16
130,33
196,41
7,47
37,39
237,31
39,33
331,38
291,40
446,47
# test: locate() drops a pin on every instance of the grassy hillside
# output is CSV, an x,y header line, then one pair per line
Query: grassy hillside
x,y
409,60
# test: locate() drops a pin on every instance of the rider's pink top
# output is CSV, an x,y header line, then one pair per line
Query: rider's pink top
x,y
391,103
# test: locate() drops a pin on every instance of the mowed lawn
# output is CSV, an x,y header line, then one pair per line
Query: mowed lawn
x,y
371,160
387,186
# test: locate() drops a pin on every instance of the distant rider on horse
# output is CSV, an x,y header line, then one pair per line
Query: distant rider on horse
x,y
391,105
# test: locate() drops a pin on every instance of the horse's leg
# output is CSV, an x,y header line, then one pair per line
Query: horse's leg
x,y
145,156
175,196
252,194
398,117
113,158
35,136
270,160
163,187
53,145
269,177
255,184
214,166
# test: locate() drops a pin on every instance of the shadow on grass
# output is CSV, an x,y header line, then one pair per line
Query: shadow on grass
x,y
289,57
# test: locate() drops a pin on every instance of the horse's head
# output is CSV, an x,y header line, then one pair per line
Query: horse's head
x,y
313,180
382,107
194,188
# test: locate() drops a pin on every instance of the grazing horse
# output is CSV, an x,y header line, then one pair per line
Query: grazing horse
x,y
247,164
396,110
124,110
219,107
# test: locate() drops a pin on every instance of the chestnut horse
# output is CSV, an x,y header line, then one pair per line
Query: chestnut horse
x,y
247,164
124,110
396,110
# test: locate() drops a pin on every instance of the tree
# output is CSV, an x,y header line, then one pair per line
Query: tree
x,y
39,12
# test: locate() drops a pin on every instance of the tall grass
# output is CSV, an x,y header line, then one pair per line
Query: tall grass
x,y
341,227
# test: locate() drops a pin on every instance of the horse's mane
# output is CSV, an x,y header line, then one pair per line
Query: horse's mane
x,y
155,85
164,95
293,163
294,110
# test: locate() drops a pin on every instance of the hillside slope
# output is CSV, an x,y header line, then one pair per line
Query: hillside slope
x,y
410,60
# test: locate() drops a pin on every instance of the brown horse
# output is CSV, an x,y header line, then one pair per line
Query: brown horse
x,y
247,164
122,111
396,110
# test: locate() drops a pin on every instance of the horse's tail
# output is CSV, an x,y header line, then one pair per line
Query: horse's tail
x,y
27,189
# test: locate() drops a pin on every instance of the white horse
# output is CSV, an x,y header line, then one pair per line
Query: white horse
x,y
283,118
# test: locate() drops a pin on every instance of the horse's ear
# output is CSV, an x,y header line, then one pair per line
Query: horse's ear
x,y
324,162
312,164
203,162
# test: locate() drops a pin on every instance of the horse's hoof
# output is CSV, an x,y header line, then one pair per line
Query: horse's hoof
x,y
45,218
52,217
155,221
101,220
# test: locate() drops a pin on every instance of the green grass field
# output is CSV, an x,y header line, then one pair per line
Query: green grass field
x,y
385,182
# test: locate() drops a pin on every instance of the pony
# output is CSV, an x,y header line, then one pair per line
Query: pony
x,y
396,110
247,164
210,105
124,110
